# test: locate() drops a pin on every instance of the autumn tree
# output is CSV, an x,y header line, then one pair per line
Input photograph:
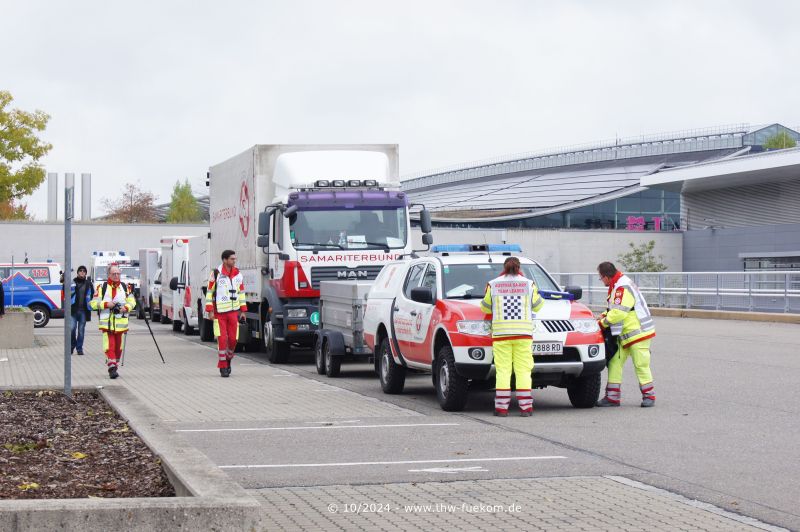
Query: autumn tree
x,y
184,207
132,205
641,259
11,210
20,152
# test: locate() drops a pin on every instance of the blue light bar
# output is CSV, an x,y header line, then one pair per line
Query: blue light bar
x,y
548,294
467,248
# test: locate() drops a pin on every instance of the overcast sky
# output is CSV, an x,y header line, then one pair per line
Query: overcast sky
x,y
152,92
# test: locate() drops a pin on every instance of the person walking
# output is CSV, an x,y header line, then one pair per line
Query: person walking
x,y
512,300
80,308
113,301
225,300
628,317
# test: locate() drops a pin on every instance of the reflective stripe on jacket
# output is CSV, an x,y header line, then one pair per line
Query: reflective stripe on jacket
x,y
627,313
103,302
225,292
511,300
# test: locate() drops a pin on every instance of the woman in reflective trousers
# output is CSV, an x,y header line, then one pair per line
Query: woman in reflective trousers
x,y
512,300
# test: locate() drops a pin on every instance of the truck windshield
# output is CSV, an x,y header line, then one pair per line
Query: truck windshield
x,y
100,273
467,281
349,229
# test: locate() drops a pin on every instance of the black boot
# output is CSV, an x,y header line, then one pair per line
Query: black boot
x,y
112,372
230,361
224,372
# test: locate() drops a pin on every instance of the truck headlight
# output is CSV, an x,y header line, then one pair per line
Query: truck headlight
x,y
585,326
476,328
296,313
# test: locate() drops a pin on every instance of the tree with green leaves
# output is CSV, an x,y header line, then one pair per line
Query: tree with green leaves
x,y
184,207
132,205
779,141
20,152
641,259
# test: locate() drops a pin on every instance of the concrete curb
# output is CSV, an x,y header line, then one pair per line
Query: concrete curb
x,y
207,499
771,317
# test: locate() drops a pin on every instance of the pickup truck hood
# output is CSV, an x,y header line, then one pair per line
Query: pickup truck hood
x,y
469,309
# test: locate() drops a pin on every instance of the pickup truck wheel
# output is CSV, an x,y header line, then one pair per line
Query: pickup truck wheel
x,y
392,375
319,358
584,391
41,315
451,388
333,364
277,352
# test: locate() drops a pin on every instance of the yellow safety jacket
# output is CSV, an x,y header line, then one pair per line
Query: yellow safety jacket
x,y
627,313
104,299
511,300
225,291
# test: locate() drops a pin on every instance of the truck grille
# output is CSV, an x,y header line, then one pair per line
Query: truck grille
x,y
554,326
336,273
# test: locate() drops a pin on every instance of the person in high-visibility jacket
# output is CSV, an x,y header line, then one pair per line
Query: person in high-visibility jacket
x,y
225,298
629,318
113,301
512,300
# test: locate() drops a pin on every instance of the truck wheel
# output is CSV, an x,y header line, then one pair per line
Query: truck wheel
x,y
164,318
140,310
451,388
41,315
187,330
177,325
319,357
277,352
584,391
392,374
154,316
206,326
333,364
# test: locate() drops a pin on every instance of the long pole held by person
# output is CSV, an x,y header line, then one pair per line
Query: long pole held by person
x,y
154,338
69,190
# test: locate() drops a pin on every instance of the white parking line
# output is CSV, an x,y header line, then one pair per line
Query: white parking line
x,y
324,427
400,462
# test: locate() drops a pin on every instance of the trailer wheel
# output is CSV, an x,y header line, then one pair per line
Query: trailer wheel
x,y
392,374
333,364
319,357
452,389
187,329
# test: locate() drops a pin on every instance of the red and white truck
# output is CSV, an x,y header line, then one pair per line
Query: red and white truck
x,y
297,215
423,315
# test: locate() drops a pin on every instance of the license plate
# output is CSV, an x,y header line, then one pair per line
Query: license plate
x,y
548,348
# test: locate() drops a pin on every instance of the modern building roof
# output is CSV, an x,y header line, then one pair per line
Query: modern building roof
x,y
561,179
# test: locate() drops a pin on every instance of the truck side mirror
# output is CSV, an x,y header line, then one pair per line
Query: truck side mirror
x,y
422,294
425,221
427,239
576,291
263,223
263,241
173,283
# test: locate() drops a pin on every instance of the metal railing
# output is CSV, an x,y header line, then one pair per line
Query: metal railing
x,y
761,291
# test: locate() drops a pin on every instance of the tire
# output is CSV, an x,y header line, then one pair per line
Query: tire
x,y
205,326
392,375
452,389
41,315
319,357
139,310
187,330
333,364
154,316
177,325
165,320
277,352
584,391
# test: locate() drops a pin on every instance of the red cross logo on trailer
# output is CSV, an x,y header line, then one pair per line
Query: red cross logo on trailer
x,y
244,209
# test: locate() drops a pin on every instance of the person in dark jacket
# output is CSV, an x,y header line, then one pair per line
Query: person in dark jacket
x,y
79,308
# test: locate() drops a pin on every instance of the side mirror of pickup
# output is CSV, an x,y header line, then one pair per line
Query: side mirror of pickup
x,y
422,294
576,291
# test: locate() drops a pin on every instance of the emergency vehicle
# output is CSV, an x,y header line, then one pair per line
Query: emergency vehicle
x,y
34,285
423,315
298,215
174,259
192,284
149,270
101,260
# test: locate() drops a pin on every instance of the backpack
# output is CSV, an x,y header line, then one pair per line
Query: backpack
x,y
103,294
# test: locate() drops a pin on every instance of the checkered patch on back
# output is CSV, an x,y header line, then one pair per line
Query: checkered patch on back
x,y
512,307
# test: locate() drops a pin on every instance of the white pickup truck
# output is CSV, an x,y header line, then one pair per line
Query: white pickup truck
x,y
423,315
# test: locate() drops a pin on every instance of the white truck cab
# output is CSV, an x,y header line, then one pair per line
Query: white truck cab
x,y
423,315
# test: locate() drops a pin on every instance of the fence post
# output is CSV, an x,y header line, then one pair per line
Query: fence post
x,y
660,288
719,303
786,293
688,301
750,290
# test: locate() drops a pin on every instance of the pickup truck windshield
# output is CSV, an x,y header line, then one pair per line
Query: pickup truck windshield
x,y
348,229
467,281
